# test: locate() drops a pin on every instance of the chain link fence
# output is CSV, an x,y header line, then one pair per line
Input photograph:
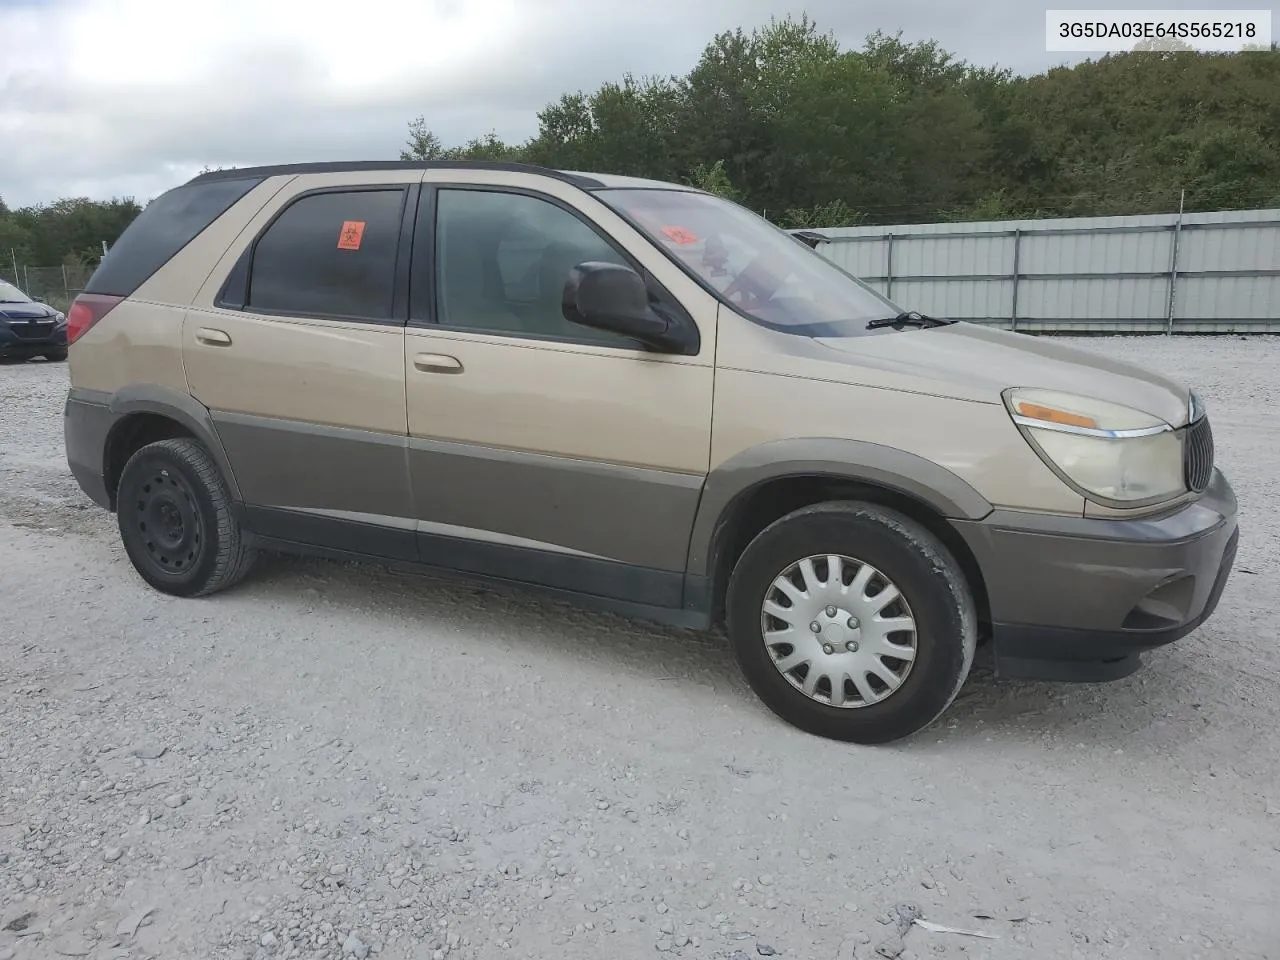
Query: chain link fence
x,y
56,286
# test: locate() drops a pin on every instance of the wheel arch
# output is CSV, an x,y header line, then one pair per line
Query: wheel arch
x,y
146,414
750,491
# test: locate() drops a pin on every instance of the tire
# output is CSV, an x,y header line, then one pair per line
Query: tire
x,y
934,598
174,514
56,355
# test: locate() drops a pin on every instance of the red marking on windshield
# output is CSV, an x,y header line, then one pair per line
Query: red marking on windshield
x,y
680,235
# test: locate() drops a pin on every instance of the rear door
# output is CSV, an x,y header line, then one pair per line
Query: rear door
x,y
296,345
542,451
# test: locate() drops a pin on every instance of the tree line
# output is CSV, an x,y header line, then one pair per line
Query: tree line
x,y
784,120
66,232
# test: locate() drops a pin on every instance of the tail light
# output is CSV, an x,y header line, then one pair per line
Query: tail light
x,y
86,310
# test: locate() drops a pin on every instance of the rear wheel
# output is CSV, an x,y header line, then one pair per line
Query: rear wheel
x,y
174,514
56,355
852,621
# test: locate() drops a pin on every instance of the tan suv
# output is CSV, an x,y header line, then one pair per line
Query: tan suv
x,y
647,398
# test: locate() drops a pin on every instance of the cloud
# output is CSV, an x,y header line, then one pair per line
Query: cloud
x,y
129,97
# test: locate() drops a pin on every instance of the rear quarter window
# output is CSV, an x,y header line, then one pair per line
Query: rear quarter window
x,y
166,225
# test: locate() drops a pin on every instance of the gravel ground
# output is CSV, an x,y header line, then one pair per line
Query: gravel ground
x,y
334,760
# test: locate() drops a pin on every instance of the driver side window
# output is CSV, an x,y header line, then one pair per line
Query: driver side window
x,y
502,260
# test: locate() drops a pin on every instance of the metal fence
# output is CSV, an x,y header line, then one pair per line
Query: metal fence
x,y
1167,273
57,286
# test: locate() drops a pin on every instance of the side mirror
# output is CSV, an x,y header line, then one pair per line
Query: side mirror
x,y
38,299
608,296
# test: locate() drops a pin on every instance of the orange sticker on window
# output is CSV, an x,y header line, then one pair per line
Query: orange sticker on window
x,y
679,235
351,234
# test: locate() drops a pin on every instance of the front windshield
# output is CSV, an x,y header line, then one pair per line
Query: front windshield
x,y
759,269
11,294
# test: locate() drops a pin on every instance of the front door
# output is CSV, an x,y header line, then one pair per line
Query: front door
x,y
542,451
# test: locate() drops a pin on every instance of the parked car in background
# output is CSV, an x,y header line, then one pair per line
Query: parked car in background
x,y
30,328
508,372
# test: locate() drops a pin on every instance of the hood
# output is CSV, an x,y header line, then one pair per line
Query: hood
x,y
971,362
26,311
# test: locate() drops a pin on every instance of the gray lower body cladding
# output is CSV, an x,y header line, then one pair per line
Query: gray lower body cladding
x,y
86,426
606,512
1070,597
611,533
1078,598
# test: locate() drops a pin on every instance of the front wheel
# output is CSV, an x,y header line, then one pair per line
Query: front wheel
x,y
852,621
56,355
174,514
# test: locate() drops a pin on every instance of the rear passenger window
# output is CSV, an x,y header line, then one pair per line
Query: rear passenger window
x,y
330,255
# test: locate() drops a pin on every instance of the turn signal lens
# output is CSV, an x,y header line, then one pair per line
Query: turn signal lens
x,y
1036,411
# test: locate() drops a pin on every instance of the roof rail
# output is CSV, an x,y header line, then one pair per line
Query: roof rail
x,y
355,166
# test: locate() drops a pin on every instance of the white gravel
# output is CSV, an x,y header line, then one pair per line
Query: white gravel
x,y
336,761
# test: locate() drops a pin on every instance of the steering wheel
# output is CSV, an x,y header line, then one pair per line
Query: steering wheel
x,y
755,283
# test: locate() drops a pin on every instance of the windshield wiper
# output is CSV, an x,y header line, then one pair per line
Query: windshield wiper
x,y
912,318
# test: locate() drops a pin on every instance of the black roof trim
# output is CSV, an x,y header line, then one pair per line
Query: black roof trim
x,y
356,166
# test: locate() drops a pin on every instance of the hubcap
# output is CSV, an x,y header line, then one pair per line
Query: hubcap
x,y
168,522
839,631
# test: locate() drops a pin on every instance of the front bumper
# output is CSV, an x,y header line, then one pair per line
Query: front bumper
x,y
34,344
1075,598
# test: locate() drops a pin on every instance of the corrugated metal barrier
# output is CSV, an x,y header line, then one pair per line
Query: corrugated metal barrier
x,y
1161,273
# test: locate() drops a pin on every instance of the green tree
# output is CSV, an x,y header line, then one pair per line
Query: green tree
x,y
73,225
714,179
488,147
16,242
740,104
423,144
1126,133
788,123
628,128
837,213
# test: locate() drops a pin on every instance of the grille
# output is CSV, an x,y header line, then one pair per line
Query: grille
x,y
31,330
1197,455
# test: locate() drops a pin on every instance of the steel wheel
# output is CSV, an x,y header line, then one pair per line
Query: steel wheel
x,y
176,522
168,521
839,631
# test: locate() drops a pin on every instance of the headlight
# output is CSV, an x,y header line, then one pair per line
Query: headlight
x,y
1107,451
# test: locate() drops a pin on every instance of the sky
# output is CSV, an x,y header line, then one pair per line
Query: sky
x,y
127,98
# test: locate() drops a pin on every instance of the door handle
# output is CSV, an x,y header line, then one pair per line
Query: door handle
x,y
214,338
437,363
